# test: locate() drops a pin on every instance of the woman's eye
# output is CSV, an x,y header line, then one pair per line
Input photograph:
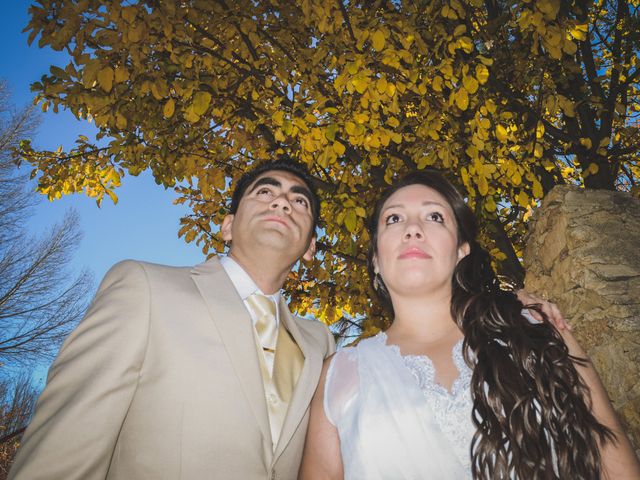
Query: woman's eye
x,y
436,217
393,218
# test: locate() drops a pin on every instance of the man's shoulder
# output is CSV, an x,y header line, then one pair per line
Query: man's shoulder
x,y
317,330
131,264
310,324
148,270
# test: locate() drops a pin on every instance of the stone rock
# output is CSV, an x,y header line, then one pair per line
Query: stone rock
x,y
583,252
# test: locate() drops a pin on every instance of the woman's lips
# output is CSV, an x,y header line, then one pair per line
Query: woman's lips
x,y
413,252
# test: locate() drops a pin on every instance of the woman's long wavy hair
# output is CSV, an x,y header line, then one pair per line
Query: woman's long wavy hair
x,y
531,409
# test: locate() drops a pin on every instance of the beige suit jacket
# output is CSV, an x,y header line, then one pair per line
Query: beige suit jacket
x,y
161,380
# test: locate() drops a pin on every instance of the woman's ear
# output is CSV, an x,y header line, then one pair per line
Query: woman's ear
x,y
463,250
374,261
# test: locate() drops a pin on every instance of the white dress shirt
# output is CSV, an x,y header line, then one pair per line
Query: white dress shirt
x,y
245,286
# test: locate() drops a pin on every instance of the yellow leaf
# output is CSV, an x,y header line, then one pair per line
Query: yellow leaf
x,y
466,44
516,178
470,84
539,130
159,90
537,189
121,121
361,84
361,117
482,74
350,220
586,143
567,106
523,199
350,128
105,79
121,74
490,204
501,133
201,102
393,122
549,8
113,197
462,99
339,148
569,47
169,108
436,84
381,85
190,115
378,40
278,118
459,30
391,89
135,33
579,32
538,151
483,186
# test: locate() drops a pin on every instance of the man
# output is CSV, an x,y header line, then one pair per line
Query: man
x,y
179,373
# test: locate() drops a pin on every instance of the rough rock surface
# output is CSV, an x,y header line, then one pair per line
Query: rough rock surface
x,y
583,252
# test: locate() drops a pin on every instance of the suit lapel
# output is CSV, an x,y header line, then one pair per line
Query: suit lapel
x,y
235,327
307,382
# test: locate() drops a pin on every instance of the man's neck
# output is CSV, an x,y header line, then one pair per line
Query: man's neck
x,y
268,275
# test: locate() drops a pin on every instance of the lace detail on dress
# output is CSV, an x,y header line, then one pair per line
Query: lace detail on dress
x,y
452,410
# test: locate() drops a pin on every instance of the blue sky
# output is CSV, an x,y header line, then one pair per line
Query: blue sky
x,y
144,223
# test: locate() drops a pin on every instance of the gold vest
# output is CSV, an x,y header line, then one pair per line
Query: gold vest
x,y
278,388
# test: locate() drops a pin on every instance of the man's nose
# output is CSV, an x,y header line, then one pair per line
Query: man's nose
x,y
281,202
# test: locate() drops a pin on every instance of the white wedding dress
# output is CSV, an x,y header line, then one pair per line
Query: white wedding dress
x,y
394,420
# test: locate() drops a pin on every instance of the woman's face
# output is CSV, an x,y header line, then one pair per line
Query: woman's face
x,y
417,247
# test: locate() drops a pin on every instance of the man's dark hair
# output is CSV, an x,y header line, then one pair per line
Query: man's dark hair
x,y
284,164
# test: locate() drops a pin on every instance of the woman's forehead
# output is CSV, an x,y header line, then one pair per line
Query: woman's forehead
x,y
415,195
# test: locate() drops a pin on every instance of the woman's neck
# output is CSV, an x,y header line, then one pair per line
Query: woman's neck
x,y
427,320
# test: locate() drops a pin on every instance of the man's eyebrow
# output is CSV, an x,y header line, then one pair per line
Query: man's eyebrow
x,y
303,191
276,183
265,181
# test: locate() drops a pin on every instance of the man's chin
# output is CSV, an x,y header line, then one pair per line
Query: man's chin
x,y
271,241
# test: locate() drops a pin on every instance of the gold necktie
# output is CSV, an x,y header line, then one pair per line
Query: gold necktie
x,y
266,328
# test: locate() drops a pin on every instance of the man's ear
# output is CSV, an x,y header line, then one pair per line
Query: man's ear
x,y
463,250
311,250
225,228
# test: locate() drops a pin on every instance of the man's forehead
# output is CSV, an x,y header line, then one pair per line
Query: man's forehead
x,y
281,177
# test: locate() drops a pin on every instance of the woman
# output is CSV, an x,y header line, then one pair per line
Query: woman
x,y
464,384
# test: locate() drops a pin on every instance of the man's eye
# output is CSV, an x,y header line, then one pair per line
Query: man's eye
x,y
302,201
263,191
393,218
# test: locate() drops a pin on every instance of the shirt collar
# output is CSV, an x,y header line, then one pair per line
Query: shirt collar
x,y
242,281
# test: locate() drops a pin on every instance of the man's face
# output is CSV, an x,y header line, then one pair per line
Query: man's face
x,y
274,215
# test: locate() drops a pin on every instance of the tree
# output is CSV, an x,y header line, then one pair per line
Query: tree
x,y
510,98
17,402
39,299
